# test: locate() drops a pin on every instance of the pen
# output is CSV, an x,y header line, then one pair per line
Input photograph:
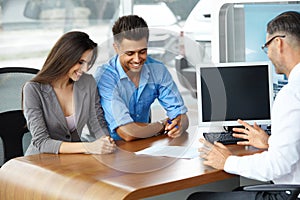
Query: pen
x,y
170,122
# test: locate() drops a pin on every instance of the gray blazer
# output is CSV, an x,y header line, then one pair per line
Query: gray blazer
x,y
47,123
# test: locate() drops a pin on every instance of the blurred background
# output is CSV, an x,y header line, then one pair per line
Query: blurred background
x,y
29,29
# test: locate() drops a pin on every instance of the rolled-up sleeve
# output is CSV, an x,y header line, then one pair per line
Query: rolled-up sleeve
x,y
115,110
170,97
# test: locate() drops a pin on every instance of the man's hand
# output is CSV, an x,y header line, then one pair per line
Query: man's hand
x,y
177,126
214,155
254,135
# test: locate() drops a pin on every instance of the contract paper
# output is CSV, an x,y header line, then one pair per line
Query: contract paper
x,y
170,151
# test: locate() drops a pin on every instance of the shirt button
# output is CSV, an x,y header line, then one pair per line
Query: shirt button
x,y
137,115
68,136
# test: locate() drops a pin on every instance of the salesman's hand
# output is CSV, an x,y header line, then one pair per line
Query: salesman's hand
x,y
214,155
254,135
103,145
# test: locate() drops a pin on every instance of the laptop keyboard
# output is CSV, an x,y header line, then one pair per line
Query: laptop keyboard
x,y
222,137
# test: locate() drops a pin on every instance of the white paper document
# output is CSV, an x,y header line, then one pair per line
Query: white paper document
x,y
170,151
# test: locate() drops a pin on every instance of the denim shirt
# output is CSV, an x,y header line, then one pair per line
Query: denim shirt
x,y
124,103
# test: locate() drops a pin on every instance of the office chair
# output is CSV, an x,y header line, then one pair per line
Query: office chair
x,y
12,80
13,128
186,75
12,121
293,189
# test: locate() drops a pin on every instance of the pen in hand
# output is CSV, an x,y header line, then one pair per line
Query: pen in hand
x,y
170,122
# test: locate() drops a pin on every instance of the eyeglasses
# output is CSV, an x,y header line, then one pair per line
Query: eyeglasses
x,y
84,65
265,46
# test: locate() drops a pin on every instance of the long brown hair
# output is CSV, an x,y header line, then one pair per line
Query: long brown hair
x,y
64,55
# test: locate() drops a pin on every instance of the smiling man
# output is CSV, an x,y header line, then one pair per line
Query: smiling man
x,y
131,81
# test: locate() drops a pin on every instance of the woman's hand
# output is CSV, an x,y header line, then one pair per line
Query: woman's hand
x,y
254,135
103,145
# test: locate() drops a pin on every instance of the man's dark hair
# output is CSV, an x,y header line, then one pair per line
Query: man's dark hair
x,y
287,23
131,27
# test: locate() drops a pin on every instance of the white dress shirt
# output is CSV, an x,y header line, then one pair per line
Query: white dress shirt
x,y
281,163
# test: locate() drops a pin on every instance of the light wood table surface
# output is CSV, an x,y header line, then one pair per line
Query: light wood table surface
x,y
122,175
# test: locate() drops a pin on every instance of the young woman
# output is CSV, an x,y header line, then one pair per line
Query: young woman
x,y
62,99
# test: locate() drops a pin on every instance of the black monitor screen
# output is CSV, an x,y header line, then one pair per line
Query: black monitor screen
x,y
235,91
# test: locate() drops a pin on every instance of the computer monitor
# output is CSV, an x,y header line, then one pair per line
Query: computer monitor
x,y
230,91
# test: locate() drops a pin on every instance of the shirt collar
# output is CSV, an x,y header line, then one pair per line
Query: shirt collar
x,y
120,69
295,72
144,73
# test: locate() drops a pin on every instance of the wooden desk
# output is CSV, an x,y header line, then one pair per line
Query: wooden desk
x,y
122,175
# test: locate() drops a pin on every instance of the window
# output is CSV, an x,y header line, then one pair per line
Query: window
x,y
28,33
241,39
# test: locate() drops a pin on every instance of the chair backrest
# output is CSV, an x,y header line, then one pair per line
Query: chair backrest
x,y
13,127
12,80
12,121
